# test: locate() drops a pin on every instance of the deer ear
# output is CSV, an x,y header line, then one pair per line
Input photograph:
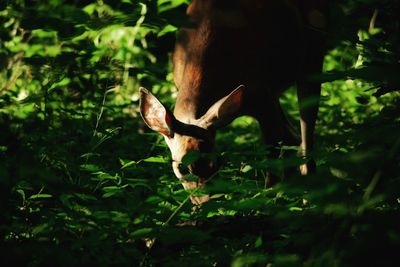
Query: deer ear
x,y
225,110
154,114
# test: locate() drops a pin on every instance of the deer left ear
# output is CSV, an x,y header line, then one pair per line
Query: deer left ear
x,y
154,114
225,110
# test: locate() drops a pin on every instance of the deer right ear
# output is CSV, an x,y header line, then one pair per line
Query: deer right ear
x,y
154,114
225,110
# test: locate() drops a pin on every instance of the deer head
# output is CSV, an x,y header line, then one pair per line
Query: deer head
x,y
195,134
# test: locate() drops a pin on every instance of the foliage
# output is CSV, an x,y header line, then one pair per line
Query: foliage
x,y
83,181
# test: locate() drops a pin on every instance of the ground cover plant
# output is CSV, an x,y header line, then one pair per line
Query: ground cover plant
x,y
83,181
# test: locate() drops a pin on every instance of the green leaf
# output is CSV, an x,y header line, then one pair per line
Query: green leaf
x,y
246,168
295,209
90,154
105,176
167,29
153,200
90,167
251,259
190,157
158,159
141,233
126,164
39,196
40,229
40,33
164,5
258,242
112,190
21,193
63,83
216,196
190,178
85,197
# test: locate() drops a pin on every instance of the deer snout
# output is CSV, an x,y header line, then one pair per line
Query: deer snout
x,y
203,168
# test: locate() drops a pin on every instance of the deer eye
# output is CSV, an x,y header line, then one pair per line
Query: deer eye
x,y
183,169
171,134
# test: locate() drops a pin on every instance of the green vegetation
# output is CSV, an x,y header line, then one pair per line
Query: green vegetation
x,y
83,181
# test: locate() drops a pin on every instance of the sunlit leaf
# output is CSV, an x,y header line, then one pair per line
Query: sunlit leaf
x,y
158,159
40,196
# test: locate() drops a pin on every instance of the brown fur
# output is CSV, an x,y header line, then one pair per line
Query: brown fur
x,y
266,45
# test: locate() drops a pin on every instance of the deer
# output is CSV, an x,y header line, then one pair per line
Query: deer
x,y
236,59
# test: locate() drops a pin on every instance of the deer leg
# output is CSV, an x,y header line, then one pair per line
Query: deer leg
x,y
276,131
308,93
308,116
